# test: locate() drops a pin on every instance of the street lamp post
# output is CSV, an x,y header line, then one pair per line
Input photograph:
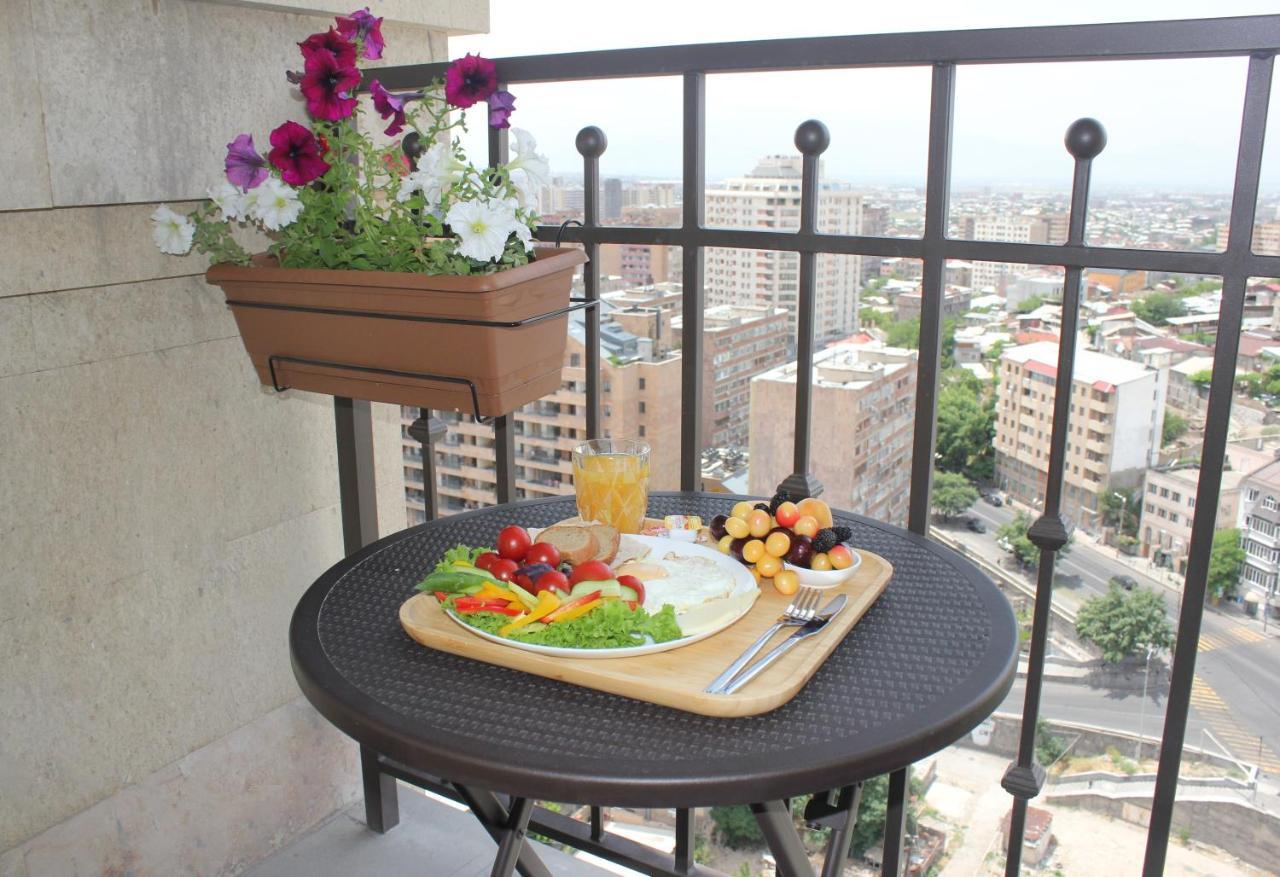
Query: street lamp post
x,y
1142,713
1124,510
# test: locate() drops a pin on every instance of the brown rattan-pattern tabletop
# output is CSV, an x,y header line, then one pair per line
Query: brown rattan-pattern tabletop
x,y
932,658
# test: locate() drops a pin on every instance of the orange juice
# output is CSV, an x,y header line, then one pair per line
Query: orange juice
x,y
611,478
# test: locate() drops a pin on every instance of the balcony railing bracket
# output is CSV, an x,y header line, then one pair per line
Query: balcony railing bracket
x,y
1023,782
1048,533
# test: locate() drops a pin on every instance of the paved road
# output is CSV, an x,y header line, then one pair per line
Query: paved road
x,y
1236,693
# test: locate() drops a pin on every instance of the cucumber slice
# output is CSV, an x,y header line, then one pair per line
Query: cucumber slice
x,y
608,588
628,593
526,598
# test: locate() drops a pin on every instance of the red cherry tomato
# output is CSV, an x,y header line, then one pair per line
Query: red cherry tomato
x,y
591,571
543,552
634,584
484,561
551,581
503,570
513,542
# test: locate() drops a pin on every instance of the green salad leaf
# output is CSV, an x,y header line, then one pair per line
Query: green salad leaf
x,y
611,625
455,580
460,552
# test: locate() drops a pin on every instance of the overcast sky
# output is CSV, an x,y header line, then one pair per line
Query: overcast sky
x,y
1171,125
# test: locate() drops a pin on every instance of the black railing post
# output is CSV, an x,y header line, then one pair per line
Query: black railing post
x,y
428,430
357,488
1024,778
812,139
932,288
694,152
504,437
591,144
1244,199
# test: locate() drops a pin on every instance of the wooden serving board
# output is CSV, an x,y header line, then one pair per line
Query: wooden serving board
x,y
676,678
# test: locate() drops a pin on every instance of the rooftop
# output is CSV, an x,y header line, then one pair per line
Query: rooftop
x,y
1091,367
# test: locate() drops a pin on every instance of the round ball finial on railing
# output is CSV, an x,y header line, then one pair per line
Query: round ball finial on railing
x,y
1085,138
411,145
812,137
591,142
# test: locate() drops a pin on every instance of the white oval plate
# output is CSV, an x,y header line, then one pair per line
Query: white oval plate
x,y
743,598
822,578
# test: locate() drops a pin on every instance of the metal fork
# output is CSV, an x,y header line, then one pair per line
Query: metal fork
x,y
800,611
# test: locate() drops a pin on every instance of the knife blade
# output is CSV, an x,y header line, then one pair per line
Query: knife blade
x,y
815,626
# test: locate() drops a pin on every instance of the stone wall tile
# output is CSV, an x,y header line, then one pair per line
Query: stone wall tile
x,y
26,178
454,16
17,347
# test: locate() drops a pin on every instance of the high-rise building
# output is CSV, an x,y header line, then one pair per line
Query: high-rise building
x,y
611,202
769,197
1115,424
738,344
864,397
641,264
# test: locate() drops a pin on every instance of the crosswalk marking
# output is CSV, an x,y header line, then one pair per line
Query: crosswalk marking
x,y
1230,636
1217,715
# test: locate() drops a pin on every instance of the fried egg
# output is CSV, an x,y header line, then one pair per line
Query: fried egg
x,y
684,581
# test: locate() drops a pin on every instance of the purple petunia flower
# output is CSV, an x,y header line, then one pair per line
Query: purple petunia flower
x,y
391,106
245,168
501,105
332,43
470,79
296,152
327,86
362,25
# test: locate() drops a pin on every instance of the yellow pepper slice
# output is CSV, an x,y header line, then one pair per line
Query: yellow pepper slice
x,y
498,593
547,603
577,611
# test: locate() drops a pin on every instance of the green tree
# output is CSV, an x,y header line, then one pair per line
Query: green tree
x,y
1123,623
1225,559
1175,427
1121,509
966,426
905,333
952,494
1027,305
1158,307
736,827
1049,746
1015,531
1250,383
1201,378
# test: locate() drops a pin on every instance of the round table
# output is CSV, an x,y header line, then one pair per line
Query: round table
x,y
929,661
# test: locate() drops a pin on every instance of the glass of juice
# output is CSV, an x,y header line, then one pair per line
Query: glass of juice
x,y
611,477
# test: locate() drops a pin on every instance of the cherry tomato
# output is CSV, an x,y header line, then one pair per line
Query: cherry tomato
x,y
634,584
513,542
543,552
552,581
503,570
486,560
591,571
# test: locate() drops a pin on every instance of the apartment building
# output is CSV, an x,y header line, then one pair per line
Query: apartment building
x,y
1260,533
1168,509
641,264
864,405
1014,228
1116,417
955,301
769,197
738,344
640,398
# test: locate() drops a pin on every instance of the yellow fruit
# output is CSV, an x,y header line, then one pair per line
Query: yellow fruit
x,y
724,544
769,566
818,509
760,523
786,582
737,528
821,561
807,526
753,551
742,509
841,557
778,544
787,514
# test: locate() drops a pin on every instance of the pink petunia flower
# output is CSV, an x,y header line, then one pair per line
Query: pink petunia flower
x,y
245,168
342,50
362,25
391,106
470,79
327,86
296,152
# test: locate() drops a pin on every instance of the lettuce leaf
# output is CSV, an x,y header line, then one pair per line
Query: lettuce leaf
x,y
611,625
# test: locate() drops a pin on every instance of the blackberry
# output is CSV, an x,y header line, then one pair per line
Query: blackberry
x,y
825,540
778,499
844,534
764,506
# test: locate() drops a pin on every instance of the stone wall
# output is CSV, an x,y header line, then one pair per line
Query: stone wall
x,y
160,512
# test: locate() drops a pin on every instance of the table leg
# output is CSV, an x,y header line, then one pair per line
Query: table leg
x,y
381,801
837,810
508,828
783,839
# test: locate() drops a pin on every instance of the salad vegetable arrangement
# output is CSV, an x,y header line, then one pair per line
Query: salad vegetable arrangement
x,y
523,591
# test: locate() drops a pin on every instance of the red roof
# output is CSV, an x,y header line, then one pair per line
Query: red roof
x,y
1042,369
1251,343
1032,337
1104,387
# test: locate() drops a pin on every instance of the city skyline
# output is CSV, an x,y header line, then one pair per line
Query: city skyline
x,y
1171,124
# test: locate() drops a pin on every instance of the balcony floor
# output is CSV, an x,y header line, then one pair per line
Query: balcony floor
x,y
433,839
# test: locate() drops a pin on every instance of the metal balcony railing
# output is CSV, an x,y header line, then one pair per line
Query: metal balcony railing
x,y
1255,38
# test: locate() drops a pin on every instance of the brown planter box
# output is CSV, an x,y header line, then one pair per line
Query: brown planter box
x,y
374,334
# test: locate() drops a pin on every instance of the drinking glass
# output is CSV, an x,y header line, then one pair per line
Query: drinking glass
x,y
611,478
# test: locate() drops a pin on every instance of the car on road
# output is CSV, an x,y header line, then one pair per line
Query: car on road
x,y
1124,581
994,499
975,525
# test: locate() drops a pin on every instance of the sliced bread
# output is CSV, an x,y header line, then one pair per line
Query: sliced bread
x,y
575,544
607,539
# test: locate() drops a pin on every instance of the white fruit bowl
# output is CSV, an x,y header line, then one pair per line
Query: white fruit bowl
x,y
826,578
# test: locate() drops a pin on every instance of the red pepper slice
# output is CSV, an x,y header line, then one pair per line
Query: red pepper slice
x,y
481,604
565,607
441,596
488,607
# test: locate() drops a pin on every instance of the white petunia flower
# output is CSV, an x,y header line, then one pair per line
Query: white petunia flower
x,y
276,204
529,166
524,234
482,227
173,231
527,191
233,203
438,169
